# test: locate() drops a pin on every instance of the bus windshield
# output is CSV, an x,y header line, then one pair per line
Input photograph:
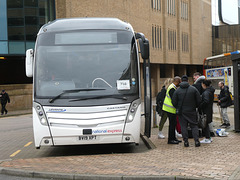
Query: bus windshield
x,y
86,60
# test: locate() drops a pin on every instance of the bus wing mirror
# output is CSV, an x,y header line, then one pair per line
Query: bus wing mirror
x,y
144,45
29,63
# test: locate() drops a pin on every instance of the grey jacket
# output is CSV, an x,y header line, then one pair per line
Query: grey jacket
x,y
191,101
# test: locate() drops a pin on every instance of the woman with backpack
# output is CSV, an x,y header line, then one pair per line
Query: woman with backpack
x,y
160,98
206,107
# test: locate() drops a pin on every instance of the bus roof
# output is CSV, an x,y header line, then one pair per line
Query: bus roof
x,y
221,55
69,24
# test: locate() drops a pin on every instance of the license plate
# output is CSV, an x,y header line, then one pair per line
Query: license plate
x,y
87,138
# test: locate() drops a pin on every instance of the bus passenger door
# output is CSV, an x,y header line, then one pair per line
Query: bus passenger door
x,y
144,49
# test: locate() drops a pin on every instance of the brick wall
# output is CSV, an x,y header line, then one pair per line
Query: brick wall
x,y
20,96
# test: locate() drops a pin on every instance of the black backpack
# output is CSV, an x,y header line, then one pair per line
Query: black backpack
x,y
160,99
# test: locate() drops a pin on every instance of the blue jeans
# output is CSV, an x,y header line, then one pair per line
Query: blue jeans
x,y
225,115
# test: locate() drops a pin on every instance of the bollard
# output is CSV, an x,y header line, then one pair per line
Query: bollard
x,y
155,116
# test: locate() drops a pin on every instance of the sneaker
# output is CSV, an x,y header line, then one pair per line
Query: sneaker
x,y
206,141
223,125
160,135
178,135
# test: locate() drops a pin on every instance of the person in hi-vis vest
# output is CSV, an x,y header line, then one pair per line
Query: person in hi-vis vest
x,y
171,110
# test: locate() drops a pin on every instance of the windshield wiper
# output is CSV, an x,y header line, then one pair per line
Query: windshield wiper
x,y
72,91
100,97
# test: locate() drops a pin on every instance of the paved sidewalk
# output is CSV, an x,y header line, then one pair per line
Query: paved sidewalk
x,y
218,160
17,113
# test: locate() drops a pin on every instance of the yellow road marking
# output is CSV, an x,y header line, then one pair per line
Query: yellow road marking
x,y
18,151
26,145
14,154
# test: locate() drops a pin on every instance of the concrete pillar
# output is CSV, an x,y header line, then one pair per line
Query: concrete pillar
x,y
178,8
158,87
164,31
191,32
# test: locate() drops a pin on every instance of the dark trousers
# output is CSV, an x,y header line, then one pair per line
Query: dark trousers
x,y
184,127
3,108
172,126
206,131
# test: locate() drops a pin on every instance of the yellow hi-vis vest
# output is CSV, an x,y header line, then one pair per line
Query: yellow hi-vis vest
x,y
167,104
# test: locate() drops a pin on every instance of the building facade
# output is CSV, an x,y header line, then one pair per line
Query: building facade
x,y
20,21
179,31
226,38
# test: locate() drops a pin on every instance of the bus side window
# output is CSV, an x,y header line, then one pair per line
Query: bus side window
x,y
209,64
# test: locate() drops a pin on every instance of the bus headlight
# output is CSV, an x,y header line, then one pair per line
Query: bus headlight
x,y
43,121
132,110
130,117
40,112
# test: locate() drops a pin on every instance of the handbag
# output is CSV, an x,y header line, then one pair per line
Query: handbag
x,y
179,111
202,120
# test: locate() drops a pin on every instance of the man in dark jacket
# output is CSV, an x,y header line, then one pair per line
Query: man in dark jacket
x,y
198,79
4,100
186,99
224,100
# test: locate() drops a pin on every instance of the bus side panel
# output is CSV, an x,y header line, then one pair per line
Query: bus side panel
x,y
40,131
132,129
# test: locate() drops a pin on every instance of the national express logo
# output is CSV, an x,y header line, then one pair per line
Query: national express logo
x,y
110,131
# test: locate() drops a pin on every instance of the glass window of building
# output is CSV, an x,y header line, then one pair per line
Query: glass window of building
x,y
171,5
3,47
184,10
20,23
156,4
172,39
156,37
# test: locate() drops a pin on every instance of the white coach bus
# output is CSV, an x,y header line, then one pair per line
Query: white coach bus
x,y
86,82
